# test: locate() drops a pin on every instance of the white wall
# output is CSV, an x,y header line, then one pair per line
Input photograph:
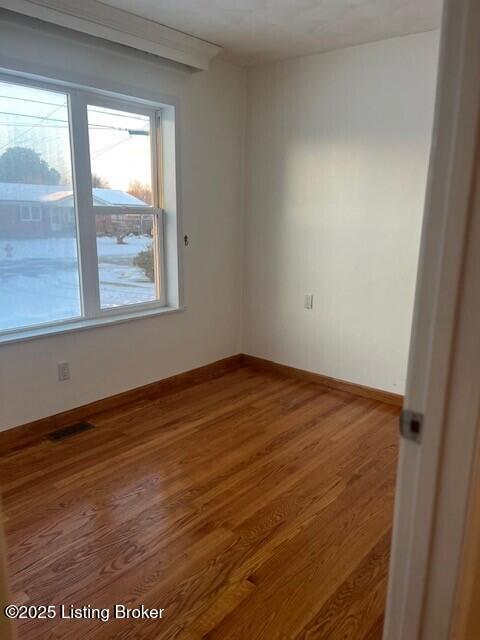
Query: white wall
x,y
337,156
112,359
335,178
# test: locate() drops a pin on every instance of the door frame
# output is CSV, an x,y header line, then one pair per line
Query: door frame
x,y
434,475
466,624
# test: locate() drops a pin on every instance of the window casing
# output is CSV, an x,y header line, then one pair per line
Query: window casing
x,y
97,222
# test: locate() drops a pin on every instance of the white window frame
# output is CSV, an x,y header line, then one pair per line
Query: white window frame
x,y
79,101
92,314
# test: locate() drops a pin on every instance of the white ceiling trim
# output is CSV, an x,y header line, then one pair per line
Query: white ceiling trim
x,y
116,25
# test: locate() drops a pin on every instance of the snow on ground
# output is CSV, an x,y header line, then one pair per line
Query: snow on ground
x,y
120,281
39,279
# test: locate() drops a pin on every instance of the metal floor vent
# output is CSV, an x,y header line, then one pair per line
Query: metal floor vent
x,y
71,430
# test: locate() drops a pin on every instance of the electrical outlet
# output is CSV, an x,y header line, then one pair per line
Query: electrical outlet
x,y
308,301
63,371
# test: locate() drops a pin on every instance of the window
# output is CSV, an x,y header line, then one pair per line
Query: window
x,y
82,170
121,170
120,156
30,214
39,272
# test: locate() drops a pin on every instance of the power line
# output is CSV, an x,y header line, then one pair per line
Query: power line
x,y
59,126
97,127
35,125
98,153
102,151
27,115
28,124
116,114
50,104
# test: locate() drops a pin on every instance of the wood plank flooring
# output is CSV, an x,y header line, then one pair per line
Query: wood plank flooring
x,y
248,507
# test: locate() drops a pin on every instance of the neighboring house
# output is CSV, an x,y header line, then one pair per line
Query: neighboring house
x,y
36,210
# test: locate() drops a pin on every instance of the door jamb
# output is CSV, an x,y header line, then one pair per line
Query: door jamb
x,y
444,365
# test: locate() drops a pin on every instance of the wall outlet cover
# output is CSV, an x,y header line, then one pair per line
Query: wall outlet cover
x,y
308,301
63,371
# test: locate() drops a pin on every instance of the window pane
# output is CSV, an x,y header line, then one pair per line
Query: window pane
x,y
39,275
126,259
120,157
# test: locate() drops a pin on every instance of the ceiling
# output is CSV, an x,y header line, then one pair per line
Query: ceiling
x,y
258,31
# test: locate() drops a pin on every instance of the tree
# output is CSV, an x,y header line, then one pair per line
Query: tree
x,y
99,182
140,191
24,165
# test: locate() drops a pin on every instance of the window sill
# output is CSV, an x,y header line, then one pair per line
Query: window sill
x,y
23,335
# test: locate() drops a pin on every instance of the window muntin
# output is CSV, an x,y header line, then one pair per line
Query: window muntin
x,y
136,261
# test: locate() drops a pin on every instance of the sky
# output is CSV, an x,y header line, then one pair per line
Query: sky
x,y
38,119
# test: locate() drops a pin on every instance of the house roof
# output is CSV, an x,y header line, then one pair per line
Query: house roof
x,y
116,197
46,193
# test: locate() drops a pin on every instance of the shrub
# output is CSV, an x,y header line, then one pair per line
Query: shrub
x,y
145,261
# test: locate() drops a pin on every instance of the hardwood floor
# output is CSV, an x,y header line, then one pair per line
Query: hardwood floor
x,y
248,507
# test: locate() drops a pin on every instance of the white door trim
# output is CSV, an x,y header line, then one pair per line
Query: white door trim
x,y
444,367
